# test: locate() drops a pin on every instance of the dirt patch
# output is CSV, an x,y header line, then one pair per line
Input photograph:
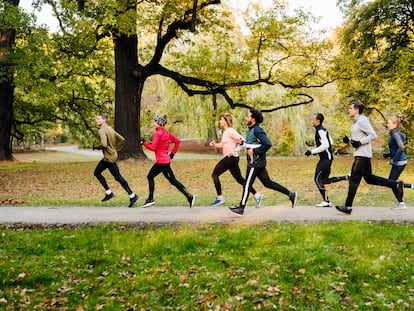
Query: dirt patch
x,y
197,146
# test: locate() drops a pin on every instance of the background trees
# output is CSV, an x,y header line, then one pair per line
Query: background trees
x,y
157,42
377,56
106,54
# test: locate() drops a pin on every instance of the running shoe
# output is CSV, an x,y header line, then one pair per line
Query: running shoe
x,y
217,201
293,196
132,201
108,197
237,210
324,204
148,203
259,200
191,200
344,209
400,205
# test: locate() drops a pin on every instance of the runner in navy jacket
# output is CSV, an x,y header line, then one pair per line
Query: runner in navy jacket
x,y
256,161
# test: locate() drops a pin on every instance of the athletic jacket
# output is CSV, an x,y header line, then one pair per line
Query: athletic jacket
x,y
160,143
228,142
363,131
110,142
256,135
323,144
396,145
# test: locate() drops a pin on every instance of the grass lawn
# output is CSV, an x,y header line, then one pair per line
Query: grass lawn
x,y
51,182
272,266
326,266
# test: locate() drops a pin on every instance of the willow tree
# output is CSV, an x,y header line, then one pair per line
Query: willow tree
x,y
144,32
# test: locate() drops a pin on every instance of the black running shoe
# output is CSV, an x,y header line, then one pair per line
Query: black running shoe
x,y
191,200
237,210
148,203
344,209
108,197
132,200
293,196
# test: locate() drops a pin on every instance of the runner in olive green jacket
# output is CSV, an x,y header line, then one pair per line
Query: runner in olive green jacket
x,y
110,142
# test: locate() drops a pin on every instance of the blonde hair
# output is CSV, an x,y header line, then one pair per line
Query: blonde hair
x,y
228,118
396,120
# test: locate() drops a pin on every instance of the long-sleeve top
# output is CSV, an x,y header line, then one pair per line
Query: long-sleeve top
x,y
229,143
323,144
110,142
363,131
397,149
160,144
256,135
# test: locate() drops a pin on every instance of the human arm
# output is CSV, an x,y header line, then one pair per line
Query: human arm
x,y
265,143
176,141
397,137
154,145
324,139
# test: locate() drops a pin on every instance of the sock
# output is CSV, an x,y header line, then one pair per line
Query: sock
x,y
132,195
108,191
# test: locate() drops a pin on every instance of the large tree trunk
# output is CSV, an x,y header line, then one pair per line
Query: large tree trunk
x,y
6,91
128,90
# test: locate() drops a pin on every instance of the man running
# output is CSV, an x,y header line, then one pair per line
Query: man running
x,y
256,162
110,142
323,169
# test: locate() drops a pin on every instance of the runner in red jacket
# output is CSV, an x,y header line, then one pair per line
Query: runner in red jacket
x,y
161,140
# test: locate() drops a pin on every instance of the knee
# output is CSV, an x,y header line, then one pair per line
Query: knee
x,y
119,178
97,174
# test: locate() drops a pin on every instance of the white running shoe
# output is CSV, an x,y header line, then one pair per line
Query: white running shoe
x,y
324,204
400,205
259,200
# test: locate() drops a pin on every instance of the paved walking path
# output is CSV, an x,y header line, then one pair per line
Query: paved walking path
x,y
197,215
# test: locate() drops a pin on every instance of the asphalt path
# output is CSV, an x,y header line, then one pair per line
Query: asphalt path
x,y
76,215
197,215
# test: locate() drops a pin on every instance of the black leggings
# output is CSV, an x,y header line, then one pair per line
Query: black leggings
x,y
166,170
362,168
322,172
228,164
113,168
263,176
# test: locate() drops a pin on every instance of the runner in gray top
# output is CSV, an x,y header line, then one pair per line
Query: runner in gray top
x,y
362,133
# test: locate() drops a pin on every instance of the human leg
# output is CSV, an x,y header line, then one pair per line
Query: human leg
x,y
251,173
263,176
355,179
219,169
114,169
169,174
100,167
397,187
154,171
322,171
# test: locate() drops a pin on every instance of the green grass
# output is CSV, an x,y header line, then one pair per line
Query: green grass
x,y
73,183
327,266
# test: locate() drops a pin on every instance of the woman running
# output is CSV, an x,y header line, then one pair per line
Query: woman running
x,y
230,161
161,140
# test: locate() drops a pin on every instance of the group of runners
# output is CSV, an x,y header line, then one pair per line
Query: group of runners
x,y
256,143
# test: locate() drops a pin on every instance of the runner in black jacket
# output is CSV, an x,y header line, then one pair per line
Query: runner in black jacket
x,y
323,168
256,161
